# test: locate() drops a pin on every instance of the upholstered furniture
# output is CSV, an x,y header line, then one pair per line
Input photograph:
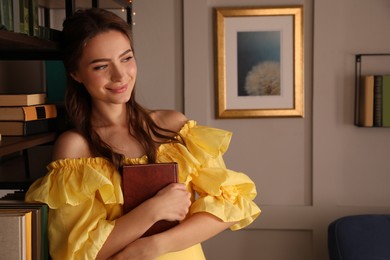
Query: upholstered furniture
x,y
360,237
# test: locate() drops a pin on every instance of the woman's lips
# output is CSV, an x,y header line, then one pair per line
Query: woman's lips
x,y
119,89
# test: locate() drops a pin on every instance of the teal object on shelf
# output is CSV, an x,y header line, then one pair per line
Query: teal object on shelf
x,y
55,81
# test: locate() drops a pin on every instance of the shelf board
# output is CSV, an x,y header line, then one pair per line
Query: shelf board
x,y
15,41
16,46
107,4
13,144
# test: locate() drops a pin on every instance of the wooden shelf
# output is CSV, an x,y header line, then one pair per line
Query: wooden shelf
x,y
107,4
17,46
13,144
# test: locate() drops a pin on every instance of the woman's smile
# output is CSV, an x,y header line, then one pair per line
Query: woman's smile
x,y
118,90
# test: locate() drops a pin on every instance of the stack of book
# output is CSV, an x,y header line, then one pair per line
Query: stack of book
x,y
23,230
374,101
26,114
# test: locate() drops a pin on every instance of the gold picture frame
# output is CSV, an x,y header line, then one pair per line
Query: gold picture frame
x,y
260,63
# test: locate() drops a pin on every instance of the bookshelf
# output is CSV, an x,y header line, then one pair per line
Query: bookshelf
x,y
360,85
22,47
15,177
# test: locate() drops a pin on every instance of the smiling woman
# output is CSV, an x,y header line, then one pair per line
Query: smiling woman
x,y
83,187
107,68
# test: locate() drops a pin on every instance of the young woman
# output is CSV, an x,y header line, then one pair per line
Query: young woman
x,y
83,185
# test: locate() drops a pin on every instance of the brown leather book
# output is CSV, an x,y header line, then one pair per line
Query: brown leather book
x,y
141,182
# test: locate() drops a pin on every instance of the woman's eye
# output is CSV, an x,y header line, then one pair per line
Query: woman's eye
x,y
100,67
127,58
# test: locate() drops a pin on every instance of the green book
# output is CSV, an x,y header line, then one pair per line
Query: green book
x,y
386,101
6,16
378,79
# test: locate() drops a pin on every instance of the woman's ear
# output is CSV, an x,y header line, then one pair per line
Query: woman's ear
x,y
75,77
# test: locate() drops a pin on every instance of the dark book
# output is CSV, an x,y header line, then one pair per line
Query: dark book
x,y
378,100
141,182
25,128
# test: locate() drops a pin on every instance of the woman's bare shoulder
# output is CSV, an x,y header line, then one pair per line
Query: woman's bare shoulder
x,y
169,119
70,144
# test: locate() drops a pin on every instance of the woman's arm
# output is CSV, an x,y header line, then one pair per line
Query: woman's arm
x,y
196,229
170,203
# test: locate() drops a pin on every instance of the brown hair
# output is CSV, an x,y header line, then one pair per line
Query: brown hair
x,y
82,26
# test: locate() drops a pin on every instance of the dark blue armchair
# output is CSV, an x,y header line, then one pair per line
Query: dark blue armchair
x,y
360,237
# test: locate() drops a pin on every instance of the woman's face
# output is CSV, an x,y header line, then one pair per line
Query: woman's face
x,y
107,68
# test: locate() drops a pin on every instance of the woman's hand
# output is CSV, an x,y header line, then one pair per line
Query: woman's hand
x,y
172,202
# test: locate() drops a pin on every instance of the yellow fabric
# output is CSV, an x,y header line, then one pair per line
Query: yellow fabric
x,y
85,197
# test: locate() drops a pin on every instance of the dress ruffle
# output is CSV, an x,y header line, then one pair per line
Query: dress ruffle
x,y
74,181
223,193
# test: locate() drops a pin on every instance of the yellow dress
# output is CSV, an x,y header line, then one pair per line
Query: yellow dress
x,y
84,195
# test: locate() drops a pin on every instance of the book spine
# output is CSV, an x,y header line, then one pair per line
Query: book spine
x,y
378,100
366,103
386,101
16,15
23,16
6,15
26,128
33,17
39,112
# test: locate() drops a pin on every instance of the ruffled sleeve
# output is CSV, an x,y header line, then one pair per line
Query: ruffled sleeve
x,y
223,193
84,199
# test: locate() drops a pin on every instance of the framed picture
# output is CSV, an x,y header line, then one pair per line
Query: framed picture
x,y
260,62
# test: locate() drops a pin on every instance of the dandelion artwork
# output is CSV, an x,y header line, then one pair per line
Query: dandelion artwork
x,y
258,63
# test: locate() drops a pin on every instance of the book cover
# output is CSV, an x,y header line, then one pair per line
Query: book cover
x,y
16,233
385,100
28,113
40,245
366,101
25,128
378,100
22,99
141,182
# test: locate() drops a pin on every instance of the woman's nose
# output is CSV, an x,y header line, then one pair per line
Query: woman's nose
x,y
117,74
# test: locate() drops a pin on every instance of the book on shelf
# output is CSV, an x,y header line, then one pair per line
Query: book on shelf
x,y
141,182
374,101
366,101
26,128
385,101
16,15
29,99
39,228
33,17
28,113
24,16
377,119
6,15
15,233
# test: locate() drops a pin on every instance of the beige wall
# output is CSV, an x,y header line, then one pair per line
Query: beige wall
x,y
308,170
